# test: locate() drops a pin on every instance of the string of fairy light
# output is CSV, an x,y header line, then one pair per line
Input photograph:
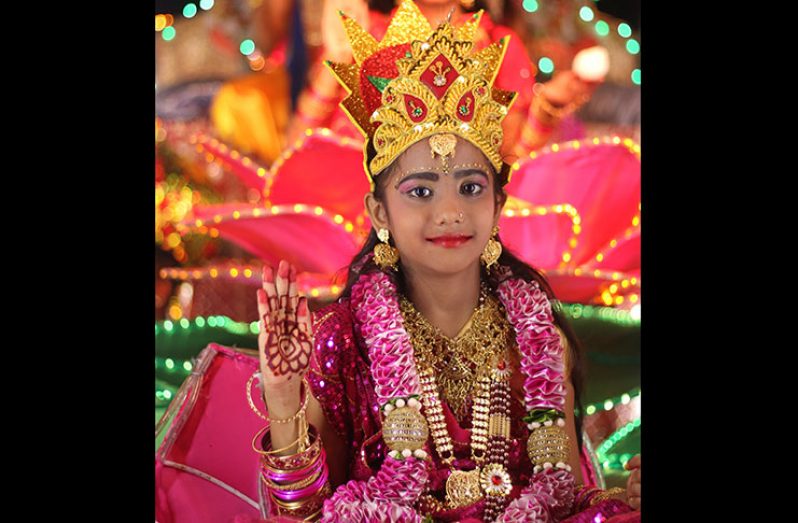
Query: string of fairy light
x,y
602,29
164,23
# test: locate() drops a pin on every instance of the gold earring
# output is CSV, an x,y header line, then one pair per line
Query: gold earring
x,y
384,255
492,250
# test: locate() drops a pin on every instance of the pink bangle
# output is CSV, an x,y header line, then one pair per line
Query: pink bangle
x,y
293,495
295,475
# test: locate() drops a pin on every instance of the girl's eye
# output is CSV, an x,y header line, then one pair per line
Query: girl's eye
x,y
475,188
415,192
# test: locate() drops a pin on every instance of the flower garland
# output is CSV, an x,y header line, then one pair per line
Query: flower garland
x,y
391,493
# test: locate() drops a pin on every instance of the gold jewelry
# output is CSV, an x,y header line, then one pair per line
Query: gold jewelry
x,y
548,444
440,85
607,494
249,395
459,362
493,249
384,254
443,145
405,428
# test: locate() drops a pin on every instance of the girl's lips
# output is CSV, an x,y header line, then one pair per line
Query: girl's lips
x,y
450,241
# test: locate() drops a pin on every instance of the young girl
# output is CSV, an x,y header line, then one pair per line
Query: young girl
x,y
442,382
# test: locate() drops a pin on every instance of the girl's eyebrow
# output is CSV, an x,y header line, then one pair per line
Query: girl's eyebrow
x,y
433,176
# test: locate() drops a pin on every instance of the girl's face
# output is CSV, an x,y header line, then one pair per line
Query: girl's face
x,y
426,202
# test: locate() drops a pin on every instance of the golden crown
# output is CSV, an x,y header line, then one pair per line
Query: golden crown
x,y
417,82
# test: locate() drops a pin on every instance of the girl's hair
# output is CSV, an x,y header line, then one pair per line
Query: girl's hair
x,y
519,269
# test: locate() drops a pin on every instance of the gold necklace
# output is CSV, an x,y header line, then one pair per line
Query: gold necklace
x,y
458,362
462,487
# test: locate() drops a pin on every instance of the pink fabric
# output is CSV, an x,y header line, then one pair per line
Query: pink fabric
x,y
212,435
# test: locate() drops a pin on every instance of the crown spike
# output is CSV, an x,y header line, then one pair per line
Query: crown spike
x,y
407,24
363,44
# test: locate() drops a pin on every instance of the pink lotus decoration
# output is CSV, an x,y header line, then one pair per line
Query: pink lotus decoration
x,y
573,212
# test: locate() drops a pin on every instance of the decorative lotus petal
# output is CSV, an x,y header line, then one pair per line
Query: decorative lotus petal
x,y
308,237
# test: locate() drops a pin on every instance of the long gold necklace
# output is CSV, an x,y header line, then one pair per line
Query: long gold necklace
x,y
462,487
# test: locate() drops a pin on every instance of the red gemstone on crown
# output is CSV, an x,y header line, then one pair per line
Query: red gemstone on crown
x,y
496,480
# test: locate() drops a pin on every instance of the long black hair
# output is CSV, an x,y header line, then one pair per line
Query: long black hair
x,y
519,268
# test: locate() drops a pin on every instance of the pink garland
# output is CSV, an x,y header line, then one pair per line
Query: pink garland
x,y
390,494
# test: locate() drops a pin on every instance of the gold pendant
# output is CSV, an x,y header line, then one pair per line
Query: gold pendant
x,y
463,488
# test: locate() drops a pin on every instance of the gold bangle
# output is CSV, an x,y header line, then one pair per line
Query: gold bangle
x,y
603,496
293,461
302,408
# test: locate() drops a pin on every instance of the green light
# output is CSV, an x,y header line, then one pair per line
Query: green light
x,y
586,14
546,65
184,323
608,405
200,321
253,326
624,30
625,399
157,329
167,394
206,4
189,10
167,325
632,46
636,76
247,47
530,6
168,33
602,28
170,363
187,365
590,409
212,322
220,321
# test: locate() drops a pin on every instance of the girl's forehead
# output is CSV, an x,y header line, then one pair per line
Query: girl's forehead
x,y
420,155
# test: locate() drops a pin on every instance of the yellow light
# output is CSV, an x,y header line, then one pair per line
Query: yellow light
x,y
275,209
208,157
198,223
325,131
183,275
349,227
234,155
524,212
566,257
625,283
555,147
246,161
256,212
335,289
578,272
633,298
236,215
533,155
175,312
314,292
634,281
248,273
577,229
606,297
196,274
597,273
618,300
595,141
614,288
261,172
160,22
163,273
308,132
299,207
558,208
169,20
628,142
635,221
510,212
214,233
541,211
214,273
599,257
217,218
234,273
516,166
577,220
318,211
616,140
616,276
173,240
338,219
